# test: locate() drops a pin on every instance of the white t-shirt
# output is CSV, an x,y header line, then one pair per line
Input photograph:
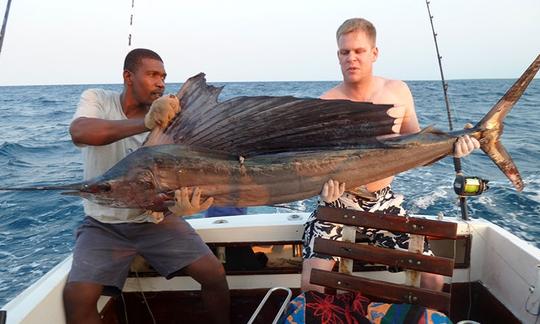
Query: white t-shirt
x,y
104,104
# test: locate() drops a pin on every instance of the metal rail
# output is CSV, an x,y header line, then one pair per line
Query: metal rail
x,y
281,309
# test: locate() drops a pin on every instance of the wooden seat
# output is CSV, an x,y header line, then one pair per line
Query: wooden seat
x,y
413,260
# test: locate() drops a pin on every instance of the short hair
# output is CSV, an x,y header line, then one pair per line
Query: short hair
x,y
355,24
134,57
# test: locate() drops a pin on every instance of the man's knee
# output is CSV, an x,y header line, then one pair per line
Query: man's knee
x,y
208,271
80,297
432,281
216,277
310,264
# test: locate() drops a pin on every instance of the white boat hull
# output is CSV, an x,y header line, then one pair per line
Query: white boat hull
x,y
506,265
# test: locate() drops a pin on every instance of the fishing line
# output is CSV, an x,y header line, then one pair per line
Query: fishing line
x,y
144,297
125,310
492,249
469,229
537,314
454,112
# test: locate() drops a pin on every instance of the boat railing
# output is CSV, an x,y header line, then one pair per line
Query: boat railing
x,y
265,299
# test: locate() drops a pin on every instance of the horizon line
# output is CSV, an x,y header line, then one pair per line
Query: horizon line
x,y
252,81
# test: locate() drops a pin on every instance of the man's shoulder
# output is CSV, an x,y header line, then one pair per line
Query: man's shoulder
x,y
101,98
393,88
98,103
334,93
390,91
99,93
393,84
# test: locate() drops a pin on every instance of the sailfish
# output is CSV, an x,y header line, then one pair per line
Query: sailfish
x,y
262,150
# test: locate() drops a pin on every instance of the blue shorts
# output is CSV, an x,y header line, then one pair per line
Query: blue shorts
x,y
103,252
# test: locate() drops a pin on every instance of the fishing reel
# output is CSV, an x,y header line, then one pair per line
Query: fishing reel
x,y
469,186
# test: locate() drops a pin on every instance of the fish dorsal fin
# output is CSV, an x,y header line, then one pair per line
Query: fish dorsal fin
x,y
261,124
194,92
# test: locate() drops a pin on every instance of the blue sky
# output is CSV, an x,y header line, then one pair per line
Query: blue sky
x,y
72,42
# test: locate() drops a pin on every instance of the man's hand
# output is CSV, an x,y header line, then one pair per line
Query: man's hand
x,y
184,207
162,111
331,191
397,112
465,145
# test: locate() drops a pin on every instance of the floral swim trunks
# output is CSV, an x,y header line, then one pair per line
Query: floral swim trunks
x,y
384,200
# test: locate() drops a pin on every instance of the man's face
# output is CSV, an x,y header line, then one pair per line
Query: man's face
x,y
148,81
356,54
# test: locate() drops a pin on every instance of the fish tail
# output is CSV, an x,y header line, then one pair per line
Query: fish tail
x,y
491,126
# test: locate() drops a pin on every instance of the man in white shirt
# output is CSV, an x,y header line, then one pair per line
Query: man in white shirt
x,y
108,126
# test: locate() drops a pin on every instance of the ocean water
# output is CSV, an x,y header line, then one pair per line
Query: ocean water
x,y
36,228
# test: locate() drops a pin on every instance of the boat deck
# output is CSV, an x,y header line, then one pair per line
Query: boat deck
x,y
185,306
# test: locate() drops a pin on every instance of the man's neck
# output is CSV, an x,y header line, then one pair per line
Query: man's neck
x,y
131,108
361,90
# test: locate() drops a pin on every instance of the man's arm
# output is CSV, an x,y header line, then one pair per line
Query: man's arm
x,y
404,97
95,131
463,146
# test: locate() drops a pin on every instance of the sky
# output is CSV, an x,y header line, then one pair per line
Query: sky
x,y
85,42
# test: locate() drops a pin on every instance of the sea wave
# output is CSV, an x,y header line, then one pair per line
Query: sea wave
x,y
36,149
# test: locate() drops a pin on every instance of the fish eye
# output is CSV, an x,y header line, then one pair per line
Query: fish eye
x,y
104,187
94,188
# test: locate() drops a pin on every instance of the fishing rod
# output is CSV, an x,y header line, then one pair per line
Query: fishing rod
x,y
4,24
463,186
130,34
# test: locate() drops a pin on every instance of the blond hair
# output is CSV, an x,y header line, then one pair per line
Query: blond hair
x,y
355,24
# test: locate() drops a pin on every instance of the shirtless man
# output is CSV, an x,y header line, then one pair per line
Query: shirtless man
x,y
357,51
